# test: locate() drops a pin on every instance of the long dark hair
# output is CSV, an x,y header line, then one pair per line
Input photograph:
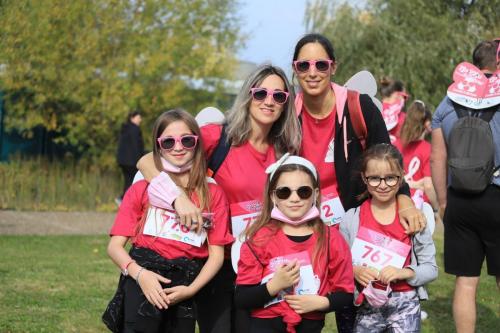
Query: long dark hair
x,y
315,38
265,216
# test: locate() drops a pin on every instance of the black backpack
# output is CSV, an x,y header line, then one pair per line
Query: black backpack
x,y
471,150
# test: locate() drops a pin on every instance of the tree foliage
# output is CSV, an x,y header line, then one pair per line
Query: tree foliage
x,y
78,67
419,42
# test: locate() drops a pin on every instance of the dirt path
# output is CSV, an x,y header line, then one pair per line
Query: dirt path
x,y
54,223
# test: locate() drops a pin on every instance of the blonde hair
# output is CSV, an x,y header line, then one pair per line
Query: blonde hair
x,y
414,125
285,134
265,216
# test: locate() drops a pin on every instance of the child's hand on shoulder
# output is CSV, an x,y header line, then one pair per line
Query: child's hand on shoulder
x,y
286,276
390,273
364,274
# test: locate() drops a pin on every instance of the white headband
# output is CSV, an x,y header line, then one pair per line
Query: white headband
x,y
291,159
420,102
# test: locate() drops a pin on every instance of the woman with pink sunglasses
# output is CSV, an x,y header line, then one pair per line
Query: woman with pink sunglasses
x,y
330,142
260,127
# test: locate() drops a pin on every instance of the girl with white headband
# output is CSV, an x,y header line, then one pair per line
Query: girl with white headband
x,y
292,268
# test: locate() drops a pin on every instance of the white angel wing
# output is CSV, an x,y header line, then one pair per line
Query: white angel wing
x,y
364,83
209,115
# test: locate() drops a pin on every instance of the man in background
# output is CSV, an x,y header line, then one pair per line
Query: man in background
x,y
130,149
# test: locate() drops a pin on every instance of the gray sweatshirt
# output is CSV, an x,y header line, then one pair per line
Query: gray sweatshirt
x,y
423,253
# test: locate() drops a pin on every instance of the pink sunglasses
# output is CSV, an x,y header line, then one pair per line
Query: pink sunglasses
x,y
187,141
321,65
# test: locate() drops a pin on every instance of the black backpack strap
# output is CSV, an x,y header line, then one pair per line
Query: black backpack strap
x,y
485,114
220,153
254,254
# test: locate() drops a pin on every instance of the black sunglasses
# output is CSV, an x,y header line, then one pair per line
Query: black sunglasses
x,y
304,192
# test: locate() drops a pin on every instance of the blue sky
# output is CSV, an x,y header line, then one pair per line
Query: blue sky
x,y
273,27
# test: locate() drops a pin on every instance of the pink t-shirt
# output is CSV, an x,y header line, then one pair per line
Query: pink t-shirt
x,y
271,243
394,230
416,160
242,174
135,204
318,146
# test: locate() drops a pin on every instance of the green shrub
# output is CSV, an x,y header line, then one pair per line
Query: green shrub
x,y
63,185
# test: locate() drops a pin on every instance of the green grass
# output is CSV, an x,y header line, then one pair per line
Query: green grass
x,y
63,283
67,185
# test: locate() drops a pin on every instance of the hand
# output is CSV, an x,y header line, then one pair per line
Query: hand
x,y
286,275
179,293
152,289
412,219
189,214
307,303
364,274
390,273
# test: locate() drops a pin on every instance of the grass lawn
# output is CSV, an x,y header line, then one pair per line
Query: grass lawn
x,y
63,283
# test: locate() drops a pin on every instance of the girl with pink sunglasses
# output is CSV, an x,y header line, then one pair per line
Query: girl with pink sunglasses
x,y
260,127
168,264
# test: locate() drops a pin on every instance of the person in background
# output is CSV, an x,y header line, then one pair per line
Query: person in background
x,y
471,221
394,97
130,149
416,153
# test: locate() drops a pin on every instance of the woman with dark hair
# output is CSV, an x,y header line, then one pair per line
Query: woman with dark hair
x,y
260,127
130,149
329,139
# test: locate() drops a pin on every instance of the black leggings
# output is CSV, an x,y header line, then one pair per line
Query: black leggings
x,y
135,323
214,302
276,325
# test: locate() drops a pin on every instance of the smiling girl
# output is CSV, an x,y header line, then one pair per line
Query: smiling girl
x,y
293,268
390,267
168,264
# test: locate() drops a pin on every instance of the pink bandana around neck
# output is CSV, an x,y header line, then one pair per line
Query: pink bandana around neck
x,y
167,166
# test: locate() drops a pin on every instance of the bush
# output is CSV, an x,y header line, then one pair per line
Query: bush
x,y
64,185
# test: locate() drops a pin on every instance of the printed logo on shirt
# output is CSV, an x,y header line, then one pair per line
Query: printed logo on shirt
x,y
309,282
330,152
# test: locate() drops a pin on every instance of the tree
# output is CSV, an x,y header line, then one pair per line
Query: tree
x,y
419,42
78,67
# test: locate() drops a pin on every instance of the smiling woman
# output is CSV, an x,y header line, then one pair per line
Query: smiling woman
x,y
260,127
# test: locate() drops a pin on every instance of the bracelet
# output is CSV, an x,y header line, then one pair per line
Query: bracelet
x,y
402,210
138,274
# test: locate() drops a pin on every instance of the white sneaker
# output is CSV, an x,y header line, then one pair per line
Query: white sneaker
x,y
423,315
